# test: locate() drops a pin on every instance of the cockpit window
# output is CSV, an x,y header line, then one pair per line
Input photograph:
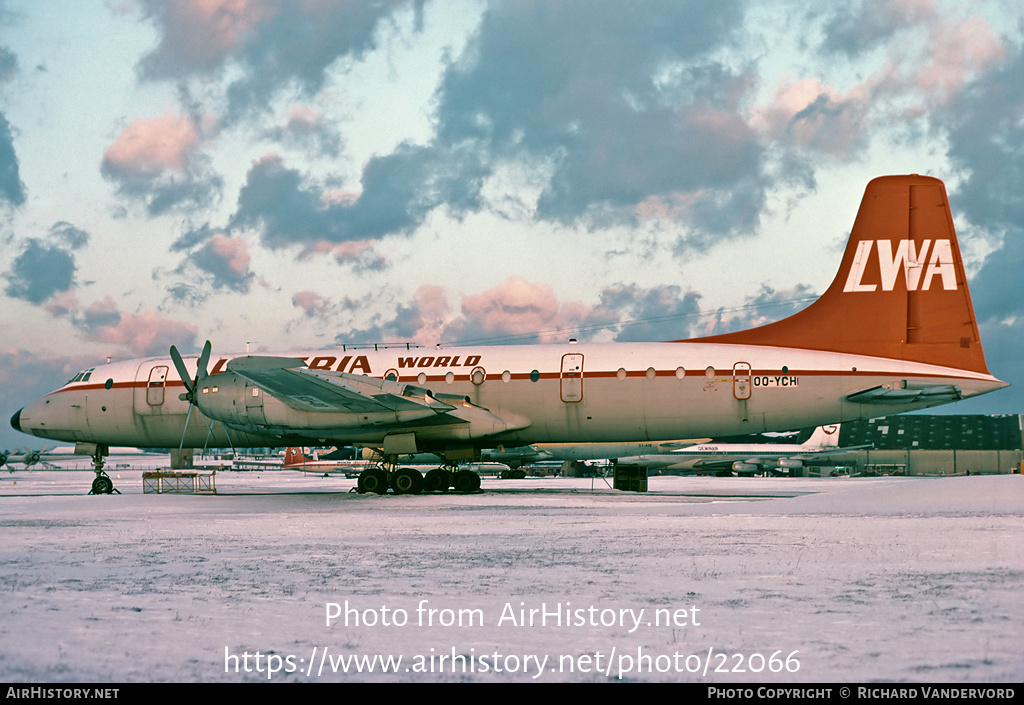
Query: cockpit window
x,y
82,376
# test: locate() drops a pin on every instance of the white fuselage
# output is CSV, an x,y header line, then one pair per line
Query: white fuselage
x,y
722,454
572,393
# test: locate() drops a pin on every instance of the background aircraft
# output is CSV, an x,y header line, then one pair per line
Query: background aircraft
x,y
295,458
28,458
538,452
744,458
45,456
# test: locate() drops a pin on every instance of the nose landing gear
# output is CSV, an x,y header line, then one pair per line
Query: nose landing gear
x,y
102,484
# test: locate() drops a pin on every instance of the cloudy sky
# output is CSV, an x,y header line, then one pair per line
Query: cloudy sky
x,y
306,173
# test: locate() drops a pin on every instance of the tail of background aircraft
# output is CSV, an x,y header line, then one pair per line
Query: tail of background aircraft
x,y
294,457
901,291
824,437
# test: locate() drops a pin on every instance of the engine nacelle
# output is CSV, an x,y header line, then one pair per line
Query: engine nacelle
x,y
745,468
789,463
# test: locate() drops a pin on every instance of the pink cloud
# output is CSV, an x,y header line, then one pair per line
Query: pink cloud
x,y
145,334
958,52
672,206
233,250
339,197
361,253
353,249
515,305
203,32
816,116
26,375
63,303
902,13
103,322
432,301
151,147
519,307
311,303
304,117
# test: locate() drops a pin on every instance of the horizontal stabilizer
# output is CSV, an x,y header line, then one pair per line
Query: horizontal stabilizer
x,y
907,394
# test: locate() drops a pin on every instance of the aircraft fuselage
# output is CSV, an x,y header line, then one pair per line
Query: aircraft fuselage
x,y
554,393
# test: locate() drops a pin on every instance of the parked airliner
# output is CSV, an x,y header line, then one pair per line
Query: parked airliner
x,y
540,452
295,458
895,331
743,458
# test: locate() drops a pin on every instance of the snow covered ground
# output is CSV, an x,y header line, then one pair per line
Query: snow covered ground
x,y
700,579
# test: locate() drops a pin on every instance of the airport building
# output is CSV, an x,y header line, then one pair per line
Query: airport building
x,y
920,444
923,444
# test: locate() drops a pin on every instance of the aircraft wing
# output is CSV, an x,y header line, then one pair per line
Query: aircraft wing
x,y
725,461
827,452
669,446
361,399
304,389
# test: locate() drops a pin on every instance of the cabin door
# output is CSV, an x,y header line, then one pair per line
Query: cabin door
x,y
571,378
741,382
150,389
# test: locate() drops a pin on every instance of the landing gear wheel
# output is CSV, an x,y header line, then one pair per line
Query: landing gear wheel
x,y
466,481
406,481
437,480
102,485
372,480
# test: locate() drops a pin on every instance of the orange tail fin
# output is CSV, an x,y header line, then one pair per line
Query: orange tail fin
x,y
293,456
900,292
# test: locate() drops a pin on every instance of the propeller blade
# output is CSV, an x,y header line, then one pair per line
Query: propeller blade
x,y
179,365
190,384
185,430
204,358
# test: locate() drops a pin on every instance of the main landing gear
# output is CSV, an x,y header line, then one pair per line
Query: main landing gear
x,y
377,480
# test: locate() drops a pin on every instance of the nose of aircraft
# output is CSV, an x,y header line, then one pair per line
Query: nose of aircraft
x,y
16,420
